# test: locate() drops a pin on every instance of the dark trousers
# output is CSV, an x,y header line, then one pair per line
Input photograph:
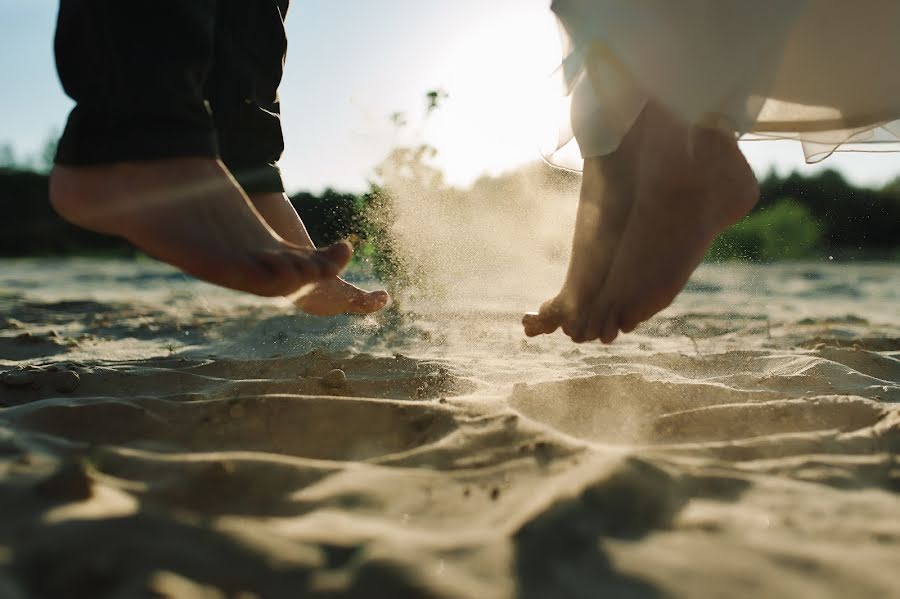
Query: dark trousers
x,y
159,79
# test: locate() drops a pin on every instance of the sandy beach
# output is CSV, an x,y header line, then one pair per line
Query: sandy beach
x,y
164,438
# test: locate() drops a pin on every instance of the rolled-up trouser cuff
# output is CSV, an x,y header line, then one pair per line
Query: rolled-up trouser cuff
x,y
156,79
258,179
90,139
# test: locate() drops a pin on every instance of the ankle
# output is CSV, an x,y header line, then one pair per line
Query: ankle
x,y
737,189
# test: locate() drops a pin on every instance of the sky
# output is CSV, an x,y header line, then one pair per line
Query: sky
x,y
351,64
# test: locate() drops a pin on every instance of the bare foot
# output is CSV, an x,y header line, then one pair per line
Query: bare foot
x,y
686,186
190,213
603,210
329,296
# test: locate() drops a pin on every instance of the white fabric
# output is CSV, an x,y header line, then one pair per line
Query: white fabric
x,y
824,72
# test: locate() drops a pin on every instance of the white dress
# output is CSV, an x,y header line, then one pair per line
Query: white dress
x,y
824,72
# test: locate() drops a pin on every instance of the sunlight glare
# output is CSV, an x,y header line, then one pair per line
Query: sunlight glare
x,y
499,77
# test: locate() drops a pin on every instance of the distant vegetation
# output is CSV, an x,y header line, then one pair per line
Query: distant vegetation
x,y
801,217
798,217
785,231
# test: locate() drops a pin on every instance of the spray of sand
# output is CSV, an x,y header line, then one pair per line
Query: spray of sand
x,y
501,237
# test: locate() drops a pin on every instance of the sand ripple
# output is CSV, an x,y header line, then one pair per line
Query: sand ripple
x,y
183,448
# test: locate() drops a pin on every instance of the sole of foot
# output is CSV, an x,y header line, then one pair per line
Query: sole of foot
x,y
190,212
334,296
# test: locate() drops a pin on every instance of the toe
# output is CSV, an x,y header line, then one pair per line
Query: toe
x,y
592,329
610,329
544,321
379,299
535,325
596,320
368,302
331,296
629,321
577,330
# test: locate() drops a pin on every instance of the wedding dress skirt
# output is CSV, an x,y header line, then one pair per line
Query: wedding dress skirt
x,y
823,72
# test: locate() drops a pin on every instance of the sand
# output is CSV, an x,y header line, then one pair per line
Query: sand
x,y
163,438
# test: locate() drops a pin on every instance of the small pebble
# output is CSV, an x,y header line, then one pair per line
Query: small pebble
x,y
18,378
67,381
335,379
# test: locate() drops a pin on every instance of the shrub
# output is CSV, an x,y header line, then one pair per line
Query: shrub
x,y
786,230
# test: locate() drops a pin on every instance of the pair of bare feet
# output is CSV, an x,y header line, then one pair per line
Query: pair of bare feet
x,y
191,213
646,216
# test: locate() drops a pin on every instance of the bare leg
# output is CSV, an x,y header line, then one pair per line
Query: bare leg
x,y
331,295
190,213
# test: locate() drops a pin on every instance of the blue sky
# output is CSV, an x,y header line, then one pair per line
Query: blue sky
x,y
351,63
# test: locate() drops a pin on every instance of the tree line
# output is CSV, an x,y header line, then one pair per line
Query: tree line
x,y
798,216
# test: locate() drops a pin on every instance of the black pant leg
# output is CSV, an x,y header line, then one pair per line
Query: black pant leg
x,y
242,89
136,70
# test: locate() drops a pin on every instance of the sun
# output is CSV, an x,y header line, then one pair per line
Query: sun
x,y
498,75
